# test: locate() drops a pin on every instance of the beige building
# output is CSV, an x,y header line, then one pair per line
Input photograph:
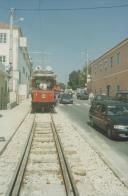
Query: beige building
x,y
109,72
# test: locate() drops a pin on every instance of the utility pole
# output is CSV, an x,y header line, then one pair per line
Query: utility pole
x,y
85,54
12,13
87,64
13,82
10,70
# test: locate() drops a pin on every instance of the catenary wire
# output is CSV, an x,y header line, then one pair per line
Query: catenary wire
x,y
73,9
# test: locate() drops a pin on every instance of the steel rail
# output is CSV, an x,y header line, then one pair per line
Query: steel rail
x,y
70,186
11,137
16,181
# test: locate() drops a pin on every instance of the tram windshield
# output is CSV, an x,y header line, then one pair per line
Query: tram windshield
x,y
43,84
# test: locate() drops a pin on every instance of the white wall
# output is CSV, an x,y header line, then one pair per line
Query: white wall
x,y
18,60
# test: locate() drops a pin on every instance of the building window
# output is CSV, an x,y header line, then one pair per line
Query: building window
x,y
19,77
105,65
118,87
100,90
3,59
23,70
100,67
118,58
3,38
108,88
111,61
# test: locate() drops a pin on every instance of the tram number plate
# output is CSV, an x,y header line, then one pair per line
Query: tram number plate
x,y
43,96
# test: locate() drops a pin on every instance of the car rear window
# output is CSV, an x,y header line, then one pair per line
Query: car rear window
x,y
67,96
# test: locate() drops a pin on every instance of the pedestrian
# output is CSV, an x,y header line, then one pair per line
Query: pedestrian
x,y
91,97
43,85
49,85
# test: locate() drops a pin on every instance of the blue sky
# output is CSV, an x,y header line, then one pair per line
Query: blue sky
x,y
64,37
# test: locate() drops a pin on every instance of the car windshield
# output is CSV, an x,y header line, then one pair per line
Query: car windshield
x,y
117,110
122,95
67,96
100,97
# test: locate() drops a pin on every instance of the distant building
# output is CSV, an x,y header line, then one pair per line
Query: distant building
x,y
4,96
20,62
109,72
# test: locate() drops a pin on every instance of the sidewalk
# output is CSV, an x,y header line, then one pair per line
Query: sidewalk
x,y
10,120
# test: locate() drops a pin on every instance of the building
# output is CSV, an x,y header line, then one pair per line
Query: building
x,y
20,64
109,72
4,96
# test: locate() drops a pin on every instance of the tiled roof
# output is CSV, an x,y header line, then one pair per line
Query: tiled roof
x,y
5,26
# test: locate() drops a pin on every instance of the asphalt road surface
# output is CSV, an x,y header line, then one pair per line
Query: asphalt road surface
x,y
115,153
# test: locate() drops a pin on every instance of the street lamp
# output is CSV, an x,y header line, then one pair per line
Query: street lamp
x,y
12,10
88,75
87,65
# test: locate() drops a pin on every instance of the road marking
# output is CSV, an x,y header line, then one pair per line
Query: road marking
x,y
86,104
76,104
60,104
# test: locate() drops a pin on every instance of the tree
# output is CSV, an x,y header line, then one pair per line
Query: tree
x,y
78,79
75,80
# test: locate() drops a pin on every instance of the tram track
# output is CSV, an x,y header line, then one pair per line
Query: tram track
x,y
43,161
34,167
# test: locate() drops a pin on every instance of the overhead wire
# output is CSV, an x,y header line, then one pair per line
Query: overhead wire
x,y
73,9
40,31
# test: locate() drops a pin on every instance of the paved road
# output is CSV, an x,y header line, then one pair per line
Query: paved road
x,y
114,152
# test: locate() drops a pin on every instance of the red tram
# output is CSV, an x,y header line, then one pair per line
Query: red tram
x,y
43,89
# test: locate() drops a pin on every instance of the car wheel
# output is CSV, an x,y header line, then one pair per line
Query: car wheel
x,y
92,122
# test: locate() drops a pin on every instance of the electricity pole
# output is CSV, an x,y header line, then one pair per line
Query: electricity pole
x,y
87,64
12,13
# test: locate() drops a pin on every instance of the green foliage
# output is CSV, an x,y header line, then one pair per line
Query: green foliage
x,y
77,79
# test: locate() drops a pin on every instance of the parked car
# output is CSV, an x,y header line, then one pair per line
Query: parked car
x,y
102,97
83,96
122,96
78,90
66,99
111,116
60,95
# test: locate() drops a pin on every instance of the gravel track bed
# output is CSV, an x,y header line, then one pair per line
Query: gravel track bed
x,y
92,175
10,158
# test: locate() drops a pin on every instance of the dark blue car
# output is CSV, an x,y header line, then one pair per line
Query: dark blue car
x,y
110,116
66,99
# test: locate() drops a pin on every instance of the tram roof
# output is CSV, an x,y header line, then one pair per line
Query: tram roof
x,y
42,73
